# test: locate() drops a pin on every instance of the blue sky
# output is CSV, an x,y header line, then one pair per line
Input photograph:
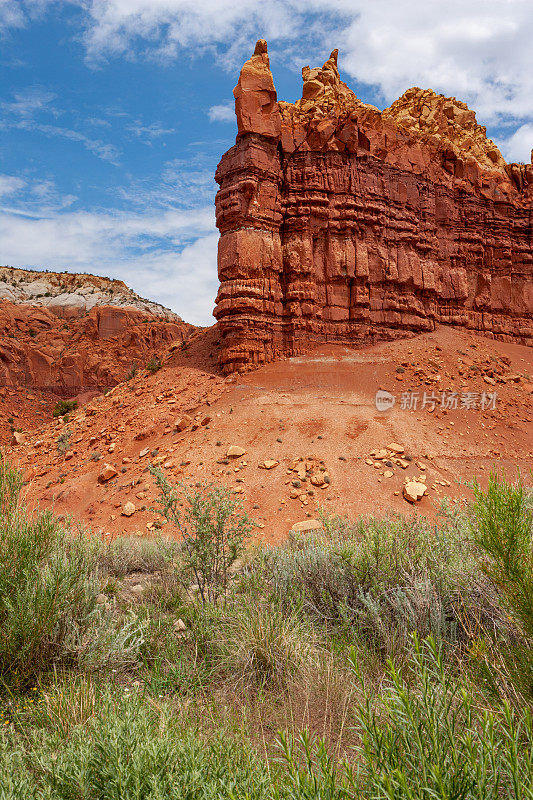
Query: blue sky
x,y
114,113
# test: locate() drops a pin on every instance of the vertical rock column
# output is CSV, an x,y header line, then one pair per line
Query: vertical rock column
x,y
249,302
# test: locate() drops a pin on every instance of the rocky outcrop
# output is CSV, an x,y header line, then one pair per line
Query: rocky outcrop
x,y
339,222
71,295
255,96
44,352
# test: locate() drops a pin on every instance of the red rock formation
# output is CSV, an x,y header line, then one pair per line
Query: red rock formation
x,y
41,351
255,96
339,222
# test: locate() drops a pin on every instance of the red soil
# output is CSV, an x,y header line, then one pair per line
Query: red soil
x,y
319,406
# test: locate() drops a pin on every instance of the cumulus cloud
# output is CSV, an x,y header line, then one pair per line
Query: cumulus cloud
x,y
478,50
519,146
169,25
168,256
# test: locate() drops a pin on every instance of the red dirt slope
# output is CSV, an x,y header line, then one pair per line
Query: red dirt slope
x,y
319,408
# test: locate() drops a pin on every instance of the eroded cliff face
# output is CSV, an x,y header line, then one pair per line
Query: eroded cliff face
x,y
339,222
68,333
44,352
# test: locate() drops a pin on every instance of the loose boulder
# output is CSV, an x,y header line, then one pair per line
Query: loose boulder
x,y
235,451
413,491
128,509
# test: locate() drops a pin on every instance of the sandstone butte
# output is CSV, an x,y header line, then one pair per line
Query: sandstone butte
x,y
342,223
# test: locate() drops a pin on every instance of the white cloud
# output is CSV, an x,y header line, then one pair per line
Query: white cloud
x,y
30,197
24,111
168,25
477,50
186,281
183,183
169,256
28,103
225,112
11,15
17,13
103,150
147,133
10,185
519,146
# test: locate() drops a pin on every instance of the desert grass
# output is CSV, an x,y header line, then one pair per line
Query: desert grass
x,y
384,658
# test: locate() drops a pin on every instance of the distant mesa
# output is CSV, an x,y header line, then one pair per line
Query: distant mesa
x,y
339,222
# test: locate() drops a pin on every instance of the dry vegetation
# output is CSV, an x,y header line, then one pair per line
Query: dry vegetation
x,y
383,658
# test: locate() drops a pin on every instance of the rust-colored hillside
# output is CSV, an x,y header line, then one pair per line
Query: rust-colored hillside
x,y
71,336
307,432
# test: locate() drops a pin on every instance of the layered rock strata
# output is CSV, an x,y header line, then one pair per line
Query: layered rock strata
x,y
69,333
342,223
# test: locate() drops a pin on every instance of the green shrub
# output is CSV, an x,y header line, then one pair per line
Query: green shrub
x,y
48,590
503,528
154,364
64,407
380,580
10,486
130,750
426,737
429,738
176,671
213,529
311,773
32,332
